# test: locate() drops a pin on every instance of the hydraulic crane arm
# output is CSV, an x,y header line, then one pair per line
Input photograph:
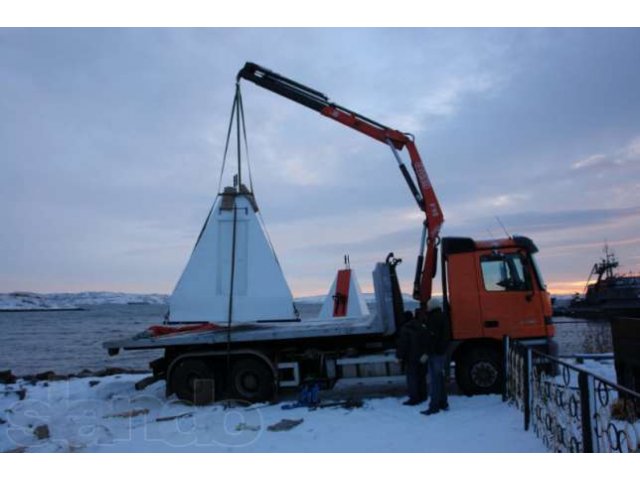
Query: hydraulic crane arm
x,y
423,193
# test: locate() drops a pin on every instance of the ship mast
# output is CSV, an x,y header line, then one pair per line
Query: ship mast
x,y
605,267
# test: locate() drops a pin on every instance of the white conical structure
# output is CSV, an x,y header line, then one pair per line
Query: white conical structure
x,y
260,291
356,304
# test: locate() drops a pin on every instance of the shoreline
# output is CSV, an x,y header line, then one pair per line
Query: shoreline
x,y
64,309
7,377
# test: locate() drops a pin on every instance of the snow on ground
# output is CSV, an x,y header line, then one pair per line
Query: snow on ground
x,y
107,414
111,416
604,368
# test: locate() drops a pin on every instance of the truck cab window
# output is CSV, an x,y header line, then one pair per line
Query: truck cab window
x,y
502,273
538,273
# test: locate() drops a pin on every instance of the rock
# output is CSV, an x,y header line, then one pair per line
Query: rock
x,y
174,417
22,393
110,371
51,376
93,383
244,426
2,421
7,377
145,382
48,375
41,432
348,404
284,425
106,372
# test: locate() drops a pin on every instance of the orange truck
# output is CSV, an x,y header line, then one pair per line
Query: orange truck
x,y
491,289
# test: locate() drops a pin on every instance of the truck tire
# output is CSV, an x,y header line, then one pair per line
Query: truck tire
x,y
479,371
252,380
193,380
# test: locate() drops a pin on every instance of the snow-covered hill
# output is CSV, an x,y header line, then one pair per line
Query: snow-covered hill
x,y
32,301
54,301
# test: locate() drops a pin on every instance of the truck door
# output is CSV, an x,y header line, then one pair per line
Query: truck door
x,y
508,298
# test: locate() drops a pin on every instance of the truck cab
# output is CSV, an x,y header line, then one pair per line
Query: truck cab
x,y
491,289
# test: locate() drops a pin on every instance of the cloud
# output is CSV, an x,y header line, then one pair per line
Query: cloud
x,y
628,156
504,200
112,142
339,228
560,247
597,160
444,100
537,222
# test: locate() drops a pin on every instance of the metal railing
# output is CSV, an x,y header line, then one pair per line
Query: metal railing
x,y
568,407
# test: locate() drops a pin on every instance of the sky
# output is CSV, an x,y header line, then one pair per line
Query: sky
x,y
111,145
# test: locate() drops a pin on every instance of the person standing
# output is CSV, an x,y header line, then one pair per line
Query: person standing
x,y
437,327
411,350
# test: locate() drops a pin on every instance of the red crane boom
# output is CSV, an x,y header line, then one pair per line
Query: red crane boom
x,y
424,193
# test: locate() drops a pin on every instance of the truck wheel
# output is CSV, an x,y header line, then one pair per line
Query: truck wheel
x,y
252,380
193,380
479,371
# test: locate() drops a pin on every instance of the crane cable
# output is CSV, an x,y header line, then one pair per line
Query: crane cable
x,y
259,213
226,145
234,111
244,133
237,113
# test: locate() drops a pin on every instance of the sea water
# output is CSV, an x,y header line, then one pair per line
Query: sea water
x,y
70,341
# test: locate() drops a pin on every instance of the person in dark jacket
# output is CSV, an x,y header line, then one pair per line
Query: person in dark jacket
x,y
437,327
411,350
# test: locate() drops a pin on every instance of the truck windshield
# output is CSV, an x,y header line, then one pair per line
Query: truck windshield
x,y
505,272
541,283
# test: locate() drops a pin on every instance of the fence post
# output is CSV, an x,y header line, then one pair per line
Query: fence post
x,y
526,388
505,366
585,412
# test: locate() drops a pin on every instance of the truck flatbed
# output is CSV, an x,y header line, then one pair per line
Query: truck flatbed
x,y
380,323
256,332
